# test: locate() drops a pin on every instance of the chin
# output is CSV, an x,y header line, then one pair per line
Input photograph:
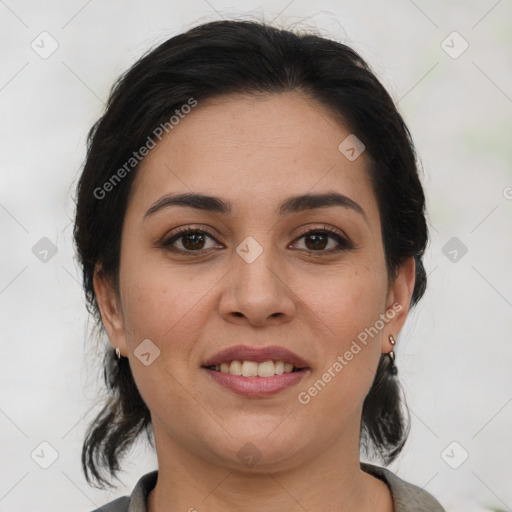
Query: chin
x,y
263,452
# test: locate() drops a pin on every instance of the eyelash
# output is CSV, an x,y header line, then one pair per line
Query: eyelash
x,y
343,243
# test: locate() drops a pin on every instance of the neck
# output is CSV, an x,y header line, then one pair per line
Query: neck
x,y
328,481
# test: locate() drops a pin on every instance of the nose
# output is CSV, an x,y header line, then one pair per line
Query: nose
x,y
257,292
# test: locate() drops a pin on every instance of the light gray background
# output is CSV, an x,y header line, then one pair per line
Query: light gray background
x,y
455,355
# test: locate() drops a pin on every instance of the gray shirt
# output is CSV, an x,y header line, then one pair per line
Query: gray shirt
x,y
406,497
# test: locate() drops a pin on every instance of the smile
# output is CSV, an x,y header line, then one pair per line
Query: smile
x,y
256,371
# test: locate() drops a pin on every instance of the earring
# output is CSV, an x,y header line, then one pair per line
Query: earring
x,y
118,352
392,368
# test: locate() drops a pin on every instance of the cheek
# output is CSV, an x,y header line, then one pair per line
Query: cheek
x,y
170,310
154,306
348,300
347,307
166,305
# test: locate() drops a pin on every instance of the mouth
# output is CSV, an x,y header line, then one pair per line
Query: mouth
x,y
256,372
250,361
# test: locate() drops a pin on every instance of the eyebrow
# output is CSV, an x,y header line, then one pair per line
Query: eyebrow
x,y
291,205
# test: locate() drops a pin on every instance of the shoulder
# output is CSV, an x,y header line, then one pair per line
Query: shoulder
x,y
138,499
406,497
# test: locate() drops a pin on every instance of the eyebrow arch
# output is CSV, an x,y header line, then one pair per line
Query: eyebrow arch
x,y
291,205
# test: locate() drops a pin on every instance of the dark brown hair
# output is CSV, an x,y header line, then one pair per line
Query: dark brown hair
x,y
222,58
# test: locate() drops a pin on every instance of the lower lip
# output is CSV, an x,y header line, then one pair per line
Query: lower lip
x,y
257,386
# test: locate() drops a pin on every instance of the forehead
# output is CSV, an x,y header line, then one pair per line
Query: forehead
x,y
254,150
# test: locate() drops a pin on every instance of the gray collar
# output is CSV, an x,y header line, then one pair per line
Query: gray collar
x,y
406,497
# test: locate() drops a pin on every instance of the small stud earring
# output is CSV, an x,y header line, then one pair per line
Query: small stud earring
x,y
118,353
392,368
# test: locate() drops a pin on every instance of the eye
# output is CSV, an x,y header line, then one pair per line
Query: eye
x,y
323,240
189,240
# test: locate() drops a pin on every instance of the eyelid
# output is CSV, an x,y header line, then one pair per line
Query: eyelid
x,y
192,228
322,227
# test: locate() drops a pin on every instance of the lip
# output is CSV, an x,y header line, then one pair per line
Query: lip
x,y
258,355
257,387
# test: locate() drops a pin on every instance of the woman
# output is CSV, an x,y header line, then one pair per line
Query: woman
x,y
251,227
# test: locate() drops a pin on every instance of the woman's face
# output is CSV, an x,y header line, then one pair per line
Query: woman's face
x,y
249,274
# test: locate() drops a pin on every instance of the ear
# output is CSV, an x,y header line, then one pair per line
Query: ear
x,y
109,304
398,301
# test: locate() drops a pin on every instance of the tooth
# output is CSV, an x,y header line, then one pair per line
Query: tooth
x,y
249,369
252,368
266,369
235,368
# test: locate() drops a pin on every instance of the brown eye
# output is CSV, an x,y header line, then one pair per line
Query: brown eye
x,y
189,240
193,241
316,241
323,241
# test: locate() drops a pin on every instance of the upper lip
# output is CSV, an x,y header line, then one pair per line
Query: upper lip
x,y
256,354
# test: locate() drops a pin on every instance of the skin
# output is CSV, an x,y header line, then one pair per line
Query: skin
x,y
254,153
